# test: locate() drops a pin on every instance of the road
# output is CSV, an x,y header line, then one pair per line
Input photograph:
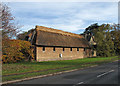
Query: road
x,y
102,74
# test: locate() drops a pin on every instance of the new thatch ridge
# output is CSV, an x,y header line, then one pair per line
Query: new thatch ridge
x,y
52,37
46,29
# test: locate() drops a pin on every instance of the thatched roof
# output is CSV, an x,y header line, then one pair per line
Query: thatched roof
x,y
53,37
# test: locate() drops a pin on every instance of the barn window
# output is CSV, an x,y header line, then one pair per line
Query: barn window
x,y
43,48
53,48
70,49
63,49
84,49
77,49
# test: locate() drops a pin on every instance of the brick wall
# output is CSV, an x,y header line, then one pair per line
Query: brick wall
x,y
49,54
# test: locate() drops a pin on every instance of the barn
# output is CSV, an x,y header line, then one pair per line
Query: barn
x,y
51,44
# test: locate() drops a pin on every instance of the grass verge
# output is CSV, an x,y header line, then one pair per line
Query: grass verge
x,y
22,70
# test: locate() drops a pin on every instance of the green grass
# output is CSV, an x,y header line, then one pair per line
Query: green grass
x,y
56,66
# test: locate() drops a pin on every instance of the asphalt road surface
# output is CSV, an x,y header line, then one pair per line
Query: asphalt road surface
x,y
102,74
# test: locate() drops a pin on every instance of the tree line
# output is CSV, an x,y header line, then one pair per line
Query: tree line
x,y
107,38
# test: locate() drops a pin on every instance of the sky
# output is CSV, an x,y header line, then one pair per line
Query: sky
x,y
67,16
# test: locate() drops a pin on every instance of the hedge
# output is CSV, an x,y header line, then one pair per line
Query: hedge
x,y
16,51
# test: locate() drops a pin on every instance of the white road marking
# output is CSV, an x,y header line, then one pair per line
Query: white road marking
x,y
105,73
81,83
78,83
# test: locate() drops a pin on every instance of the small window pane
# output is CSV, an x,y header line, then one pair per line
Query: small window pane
x,y
70,49
43,48
77,49
53,48
63,49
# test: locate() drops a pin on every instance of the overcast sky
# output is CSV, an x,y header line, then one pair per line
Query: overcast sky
x,y
68,16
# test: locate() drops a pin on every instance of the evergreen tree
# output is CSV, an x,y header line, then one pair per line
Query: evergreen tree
x,y
116,38
91,28
103,38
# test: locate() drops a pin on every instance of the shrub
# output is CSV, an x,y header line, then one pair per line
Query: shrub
x,y
15,51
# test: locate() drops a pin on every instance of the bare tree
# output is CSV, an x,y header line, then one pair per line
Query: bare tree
x,y
9,28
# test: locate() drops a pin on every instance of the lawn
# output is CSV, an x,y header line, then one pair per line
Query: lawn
x,y
28,69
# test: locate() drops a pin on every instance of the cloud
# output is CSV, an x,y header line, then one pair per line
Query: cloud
x,y
67,16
